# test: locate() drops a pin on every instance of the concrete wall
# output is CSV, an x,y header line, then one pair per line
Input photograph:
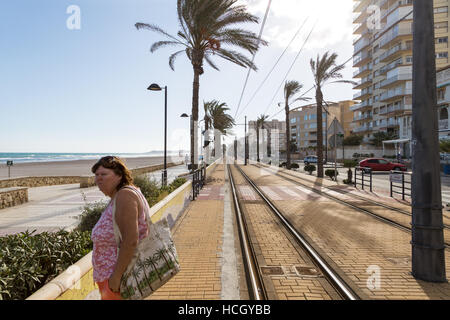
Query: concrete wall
x,y
76,283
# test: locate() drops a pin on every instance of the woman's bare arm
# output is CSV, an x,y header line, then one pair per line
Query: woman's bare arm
x,y
127,209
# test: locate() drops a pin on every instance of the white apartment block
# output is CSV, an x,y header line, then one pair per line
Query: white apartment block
x,y
383,58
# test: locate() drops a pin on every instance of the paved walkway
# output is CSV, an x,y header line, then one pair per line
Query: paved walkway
x,y
199,237
57,207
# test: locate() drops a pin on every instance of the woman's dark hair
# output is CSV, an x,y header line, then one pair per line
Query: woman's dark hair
x,y
118,166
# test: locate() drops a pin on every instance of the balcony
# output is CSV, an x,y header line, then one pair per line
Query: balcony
x,y
395,52
393,95
360,5
361,59
393,65
363,94
363,83
398,33
363,71
396,5
362,129
395,109
395,80
361,44
362,105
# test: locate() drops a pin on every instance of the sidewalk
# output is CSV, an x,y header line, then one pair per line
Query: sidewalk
x,y
199,237
51,208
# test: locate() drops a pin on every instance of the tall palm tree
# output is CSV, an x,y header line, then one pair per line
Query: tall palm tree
x,y
324,69
220,120
259,123
206,26
291,88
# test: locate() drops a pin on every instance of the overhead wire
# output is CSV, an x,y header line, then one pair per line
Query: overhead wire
x,y
273,68
253,58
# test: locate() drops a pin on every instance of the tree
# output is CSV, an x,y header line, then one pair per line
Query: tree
x,y
291,88
259,123
206,26
380,136
444,145
323,69
353,140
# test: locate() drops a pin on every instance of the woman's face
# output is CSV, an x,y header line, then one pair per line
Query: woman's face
x,y
107,180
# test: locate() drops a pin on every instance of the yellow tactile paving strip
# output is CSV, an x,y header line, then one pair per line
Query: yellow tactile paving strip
x,y
359,244
198,239
275,247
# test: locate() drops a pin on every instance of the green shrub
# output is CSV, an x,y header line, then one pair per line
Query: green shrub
x,y
178,182
283,164
90,215
294,166
28,262
330,173
310,168
350,163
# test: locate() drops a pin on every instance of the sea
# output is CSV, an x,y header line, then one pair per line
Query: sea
x,y
17,157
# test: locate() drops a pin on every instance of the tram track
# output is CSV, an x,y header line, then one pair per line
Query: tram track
x,y
256,280
294,179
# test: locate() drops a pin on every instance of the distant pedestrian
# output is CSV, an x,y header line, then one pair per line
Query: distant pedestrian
x,y
114,179
186,159
399,157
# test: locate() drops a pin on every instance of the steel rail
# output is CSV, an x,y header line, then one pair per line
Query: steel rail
x,y
335,280
254,280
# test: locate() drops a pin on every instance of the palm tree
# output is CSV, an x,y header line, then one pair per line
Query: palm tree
x,y
259,123
161,254
151,261
142,266
220,120
206,26
324,69
291,88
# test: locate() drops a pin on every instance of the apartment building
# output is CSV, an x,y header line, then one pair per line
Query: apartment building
x,y
383,58
443,100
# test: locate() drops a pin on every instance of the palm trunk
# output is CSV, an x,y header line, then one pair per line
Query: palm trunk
x,y
288,139
319,100
195,93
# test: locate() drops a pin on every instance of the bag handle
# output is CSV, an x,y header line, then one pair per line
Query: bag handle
x,y
117,234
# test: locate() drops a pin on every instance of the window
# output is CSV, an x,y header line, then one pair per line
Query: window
x,y
441,94
439,25
293,120
441,55
381,161
409,59
442,40
440,9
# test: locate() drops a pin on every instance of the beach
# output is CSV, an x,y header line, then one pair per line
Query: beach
x,y
74,167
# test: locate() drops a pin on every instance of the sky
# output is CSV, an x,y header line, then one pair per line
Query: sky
x,y
74,74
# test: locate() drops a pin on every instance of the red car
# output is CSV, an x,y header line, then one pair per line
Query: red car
x,y
380,164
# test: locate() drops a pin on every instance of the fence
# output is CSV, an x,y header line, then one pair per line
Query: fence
x,y
398,181
363,172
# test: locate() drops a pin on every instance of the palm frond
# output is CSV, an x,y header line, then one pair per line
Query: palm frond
x,y
161,44
155,28
172,59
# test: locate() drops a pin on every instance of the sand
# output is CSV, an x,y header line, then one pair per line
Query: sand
x,y
73,168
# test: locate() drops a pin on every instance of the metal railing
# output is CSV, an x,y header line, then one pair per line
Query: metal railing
x,y
360,180
198,181
398,181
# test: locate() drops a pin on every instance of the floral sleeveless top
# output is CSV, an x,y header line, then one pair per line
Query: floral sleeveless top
x,y
104,253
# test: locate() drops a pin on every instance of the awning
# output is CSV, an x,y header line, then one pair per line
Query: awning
x,y
397,141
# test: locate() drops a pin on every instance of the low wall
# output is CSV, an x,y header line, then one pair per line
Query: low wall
x,y
84,181
13,196
89,181
76,283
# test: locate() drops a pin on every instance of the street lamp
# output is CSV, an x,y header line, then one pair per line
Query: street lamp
x,y
155,87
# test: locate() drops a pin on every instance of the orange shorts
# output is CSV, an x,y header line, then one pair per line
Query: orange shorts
x,y
106,292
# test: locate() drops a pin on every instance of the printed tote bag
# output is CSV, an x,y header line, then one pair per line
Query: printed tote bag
x,y
155,260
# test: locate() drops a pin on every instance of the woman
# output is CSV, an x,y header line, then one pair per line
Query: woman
x,y
114,179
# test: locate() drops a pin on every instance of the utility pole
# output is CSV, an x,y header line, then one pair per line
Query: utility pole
x,y
245,139
428,256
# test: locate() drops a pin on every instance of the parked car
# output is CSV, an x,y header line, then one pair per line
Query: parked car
x,y
310,159
380,164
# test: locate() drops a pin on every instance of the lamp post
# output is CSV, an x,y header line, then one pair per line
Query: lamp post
x,y
155,87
